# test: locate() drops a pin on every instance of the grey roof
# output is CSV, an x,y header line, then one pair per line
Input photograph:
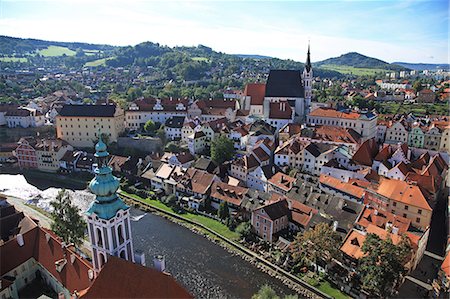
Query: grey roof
x,y
285,83
88,110
318,148
175,122
205,164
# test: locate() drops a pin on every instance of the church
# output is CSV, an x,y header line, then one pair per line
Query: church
x,y
31,255
284,98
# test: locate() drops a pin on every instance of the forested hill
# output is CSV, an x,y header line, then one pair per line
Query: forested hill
x,y
357,60
186,63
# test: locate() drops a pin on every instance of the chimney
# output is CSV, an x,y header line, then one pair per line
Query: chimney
x,y
139,257
19,239
159,262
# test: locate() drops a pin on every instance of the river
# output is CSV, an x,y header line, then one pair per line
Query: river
x,y
204,268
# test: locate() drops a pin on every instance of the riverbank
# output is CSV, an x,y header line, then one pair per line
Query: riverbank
x,y
290,280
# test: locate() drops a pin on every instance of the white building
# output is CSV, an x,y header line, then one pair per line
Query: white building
x,y
362,122
156,110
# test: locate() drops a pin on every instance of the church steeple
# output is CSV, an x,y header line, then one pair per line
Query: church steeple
x,y
108,216
308,60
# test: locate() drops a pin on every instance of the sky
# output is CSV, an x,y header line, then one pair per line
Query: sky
x,y
404,30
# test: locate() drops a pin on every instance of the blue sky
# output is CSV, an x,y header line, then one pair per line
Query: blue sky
x,y
407,30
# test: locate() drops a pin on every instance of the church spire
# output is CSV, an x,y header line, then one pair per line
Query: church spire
x,y
308,60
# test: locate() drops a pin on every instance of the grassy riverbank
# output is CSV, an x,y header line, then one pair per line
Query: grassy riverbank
x,y
223,230
214,225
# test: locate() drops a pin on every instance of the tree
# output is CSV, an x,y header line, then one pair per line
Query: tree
x,y
382,266
67,222
417,86
149,126
223,211
222,149
172,147
321,242
244,229
266,292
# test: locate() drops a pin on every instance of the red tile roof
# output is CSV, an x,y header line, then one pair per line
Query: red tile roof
x,y
330,112
228,193
282,181
256,91
341,186
382,218
280,110
366,152
122,279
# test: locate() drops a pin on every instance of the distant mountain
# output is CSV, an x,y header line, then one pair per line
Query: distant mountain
x,y
357,60
424,66
253,56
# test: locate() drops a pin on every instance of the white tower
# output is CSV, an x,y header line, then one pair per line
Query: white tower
x,y
108,217
307,82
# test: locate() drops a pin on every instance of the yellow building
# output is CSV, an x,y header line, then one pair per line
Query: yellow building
x,y
79,124
49,152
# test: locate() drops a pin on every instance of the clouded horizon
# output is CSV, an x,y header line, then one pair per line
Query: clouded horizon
x,y
409,31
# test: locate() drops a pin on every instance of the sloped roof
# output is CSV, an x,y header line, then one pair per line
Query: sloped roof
x,y
228,193
284,83
366,152
280,110
401,191
88,110
341,186
122,279
175,122
256,91
316,149
330,112
282,181
382,218
276,210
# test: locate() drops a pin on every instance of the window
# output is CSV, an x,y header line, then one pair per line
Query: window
x,y
418,220
394,204
406,208
404,215
419,212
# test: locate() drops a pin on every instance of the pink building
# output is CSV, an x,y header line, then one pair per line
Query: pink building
x,y
270,219
26,154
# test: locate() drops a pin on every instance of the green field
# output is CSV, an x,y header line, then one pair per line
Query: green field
x,y
13,59
213,224
53,51
344,69
200,59
98,62
328,289
417,109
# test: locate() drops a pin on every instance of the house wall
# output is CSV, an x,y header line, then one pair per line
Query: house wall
x,y
83,131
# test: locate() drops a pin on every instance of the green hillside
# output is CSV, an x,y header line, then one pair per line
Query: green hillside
x,y
359,61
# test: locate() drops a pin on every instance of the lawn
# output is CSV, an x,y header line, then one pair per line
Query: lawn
x,y
213,224
200,59
13,59
98,62
344,69
53,51
327,288
417,109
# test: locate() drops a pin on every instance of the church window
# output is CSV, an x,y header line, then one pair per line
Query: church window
x,y
99,237
120,233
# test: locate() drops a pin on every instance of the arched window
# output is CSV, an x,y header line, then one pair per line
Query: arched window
x,y
120,233
99,237
122,254
102,260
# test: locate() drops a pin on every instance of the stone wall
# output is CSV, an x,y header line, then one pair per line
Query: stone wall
x,y
148,144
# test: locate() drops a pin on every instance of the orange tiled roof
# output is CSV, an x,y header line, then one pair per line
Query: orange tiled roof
x,y
353,243
329,112
403,192
382,218
342,186
228,193
282,181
